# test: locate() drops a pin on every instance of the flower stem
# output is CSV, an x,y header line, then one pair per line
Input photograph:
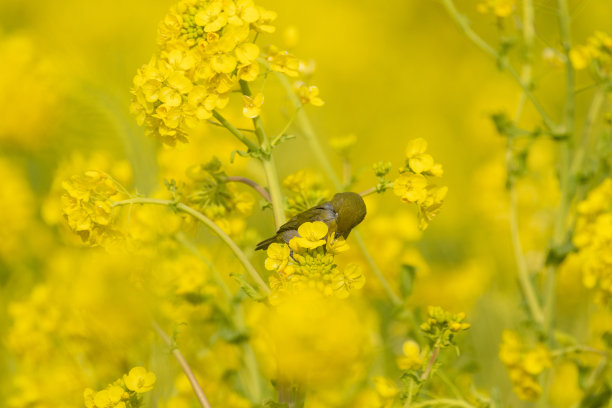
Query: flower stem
x,y
525,282
430,364
210,224
248,142
565,178
395,299
262,191
523,273
185,366
269,165
443,401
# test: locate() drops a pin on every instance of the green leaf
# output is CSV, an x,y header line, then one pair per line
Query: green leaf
x,y
407,274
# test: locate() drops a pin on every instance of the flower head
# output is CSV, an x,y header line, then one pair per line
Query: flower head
x,y
310,235
139,380
308,94
87,206
252,105
412,359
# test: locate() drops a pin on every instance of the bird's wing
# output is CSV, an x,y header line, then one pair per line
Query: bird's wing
x,y
323,212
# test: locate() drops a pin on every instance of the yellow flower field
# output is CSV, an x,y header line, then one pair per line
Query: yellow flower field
x,y
281,204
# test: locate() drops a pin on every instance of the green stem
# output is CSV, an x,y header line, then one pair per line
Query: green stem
x,y
578,349
443,401
269,165
430,364
234,131
565,178
464,25
408,403
585,138
395,299
210,224
185,366
523,272
525,282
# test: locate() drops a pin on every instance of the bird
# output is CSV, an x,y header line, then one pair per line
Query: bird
x,y
341,214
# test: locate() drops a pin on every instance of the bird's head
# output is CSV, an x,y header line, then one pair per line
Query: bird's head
x,y
351,210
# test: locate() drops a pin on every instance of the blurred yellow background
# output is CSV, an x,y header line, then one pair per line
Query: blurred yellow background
x,y
389,71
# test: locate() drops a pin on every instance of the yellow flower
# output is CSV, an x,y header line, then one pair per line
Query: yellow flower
x,y
430,206
336,245
580,58
282,61
247,52
263,23
411,360
109,397
139,380
310,236
418,160
501,8
87,206
524,365
278,257
88,398
347,280
252,105
308,94
411,188
385,387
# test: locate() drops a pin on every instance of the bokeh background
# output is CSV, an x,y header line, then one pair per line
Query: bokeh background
x,y
388,71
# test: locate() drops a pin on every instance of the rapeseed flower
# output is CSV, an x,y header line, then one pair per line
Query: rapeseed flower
x,y
139,380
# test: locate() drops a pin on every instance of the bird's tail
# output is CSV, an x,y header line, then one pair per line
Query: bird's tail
x,y
265,243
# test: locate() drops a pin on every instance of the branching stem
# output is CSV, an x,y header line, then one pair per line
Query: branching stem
x,y
262,191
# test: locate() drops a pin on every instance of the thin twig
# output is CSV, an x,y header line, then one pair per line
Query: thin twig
x,y
262,191
430,364
185,366
248,142
212,122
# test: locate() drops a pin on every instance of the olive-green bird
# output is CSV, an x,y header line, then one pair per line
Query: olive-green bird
x,y
341,214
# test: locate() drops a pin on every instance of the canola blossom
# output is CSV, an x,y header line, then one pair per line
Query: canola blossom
x,y
472,266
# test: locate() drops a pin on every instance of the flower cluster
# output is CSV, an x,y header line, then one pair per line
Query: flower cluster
x,y
386,390
308,263
306,191
412,358
208,191
87,206
597,50
414,185
501,8
308,94
124,392
206,48
593,238
524,364
442,326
